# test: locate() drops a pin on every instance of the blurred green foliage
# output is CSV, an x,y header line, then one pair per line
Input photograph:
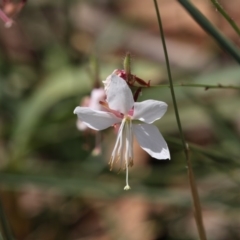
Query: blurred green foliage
x,y
52,187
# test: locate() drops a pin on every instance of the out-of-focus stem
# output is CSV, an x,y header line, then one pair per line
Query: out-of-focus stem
x,y
226,16
224,42
95,71
5,226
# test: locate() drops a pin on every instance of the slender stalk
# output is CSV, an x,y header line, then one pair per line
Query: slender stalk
x,y
225,43
1,237
194,192
169,75
196,85
94,71
226,16
196,200
5,226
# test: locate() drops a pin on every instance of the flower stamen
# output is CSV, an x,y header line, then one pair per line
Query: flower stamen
x,y
123,149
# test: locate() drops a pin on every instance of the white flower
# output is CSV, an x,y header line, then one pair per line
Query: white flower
x,y
97,94
108,80
123,110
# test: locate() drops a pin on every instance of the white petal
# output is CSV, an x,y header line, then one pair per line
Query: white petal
x,y
94,119
149,111
119,95
81,126
151,140
106,82
97,94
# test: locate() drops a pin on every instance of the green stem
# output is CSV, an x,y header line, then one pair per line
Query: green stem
x,y
225,43
5,226
1,237
196,200
196,85
169,75
226,16
194,192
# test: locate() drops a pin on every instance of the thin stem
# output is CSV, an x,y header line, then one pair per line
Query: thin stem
x,y
225,43
196,85
196,200
194,192
169,75
5,226
95,71
1,237
226,16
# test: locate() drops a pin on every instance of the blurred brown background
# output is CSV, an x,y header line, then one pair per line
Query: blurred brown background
x,y
51,185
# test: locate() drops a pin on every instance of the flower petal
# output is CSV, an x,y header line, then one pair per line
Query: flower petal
x,y
119,95
149,111
106,82
97,94
81,126
151,140
94,119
